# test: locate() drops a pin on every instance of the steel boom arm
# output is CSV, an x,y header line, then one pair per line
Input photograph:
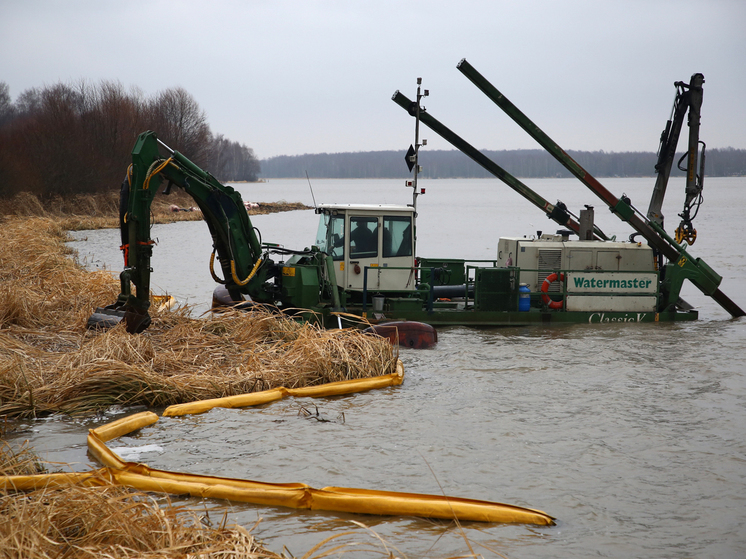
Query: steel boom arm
x,y
696,270
688,98
556,212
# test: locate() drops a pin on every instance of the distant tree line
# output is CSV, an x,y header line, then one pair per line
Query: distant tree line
x,y
69,139
525,163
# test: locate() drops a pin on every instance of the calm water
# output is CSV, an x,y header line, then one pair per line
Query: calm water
x,y
632,436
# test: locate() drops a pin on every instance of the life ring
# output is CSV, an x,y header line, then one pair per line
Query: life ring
x,y
545,287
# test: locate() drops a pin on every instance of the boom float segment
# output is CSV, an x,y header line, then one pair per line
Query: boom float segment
x,y
52,481
293,495
274,394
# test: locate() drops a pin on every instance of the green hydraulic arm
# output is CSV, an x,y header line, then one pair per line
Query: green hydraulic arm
x,y
681,265
558,212
235,241
688,99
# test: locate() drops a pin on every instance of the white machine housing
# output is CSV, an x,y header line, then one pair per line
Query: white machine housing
x,y
599,275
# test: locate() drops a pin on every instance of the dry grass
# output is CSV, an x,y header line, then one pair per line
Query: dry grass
x,y
98,211
50,363
107,521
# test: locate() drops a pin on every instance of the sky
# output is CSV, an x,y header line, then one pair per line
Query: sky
x,y
313,76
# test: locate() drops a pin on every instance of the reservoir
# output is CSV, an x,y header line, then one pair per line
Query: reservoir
x,y
631,435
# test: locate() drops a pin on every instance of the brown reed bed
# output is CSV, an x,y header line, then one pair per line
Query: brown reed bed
x,y
107,521
50,363
99,211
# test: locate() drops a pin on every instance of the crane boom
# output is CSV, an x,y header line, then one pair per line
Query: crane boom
x,y
234,239
558,212
681,264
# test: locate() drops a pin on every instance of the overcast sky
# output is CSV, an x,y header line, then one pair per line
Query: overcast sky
x,y
305,76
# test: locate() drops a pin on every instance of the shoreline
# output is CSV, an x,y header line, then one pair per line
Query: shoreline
x,y
101,211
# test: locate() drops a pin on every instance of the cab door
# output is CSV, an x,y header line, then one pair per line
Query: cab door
x,y
397,253
364,235
330,238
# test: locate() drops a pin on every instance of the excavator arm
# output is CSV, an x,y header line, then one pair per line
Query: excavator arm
x,y
235,241
688,99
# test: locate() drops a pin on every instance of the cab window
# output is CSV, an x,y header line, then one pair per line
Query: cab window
x,y
330,237
363,237
397,236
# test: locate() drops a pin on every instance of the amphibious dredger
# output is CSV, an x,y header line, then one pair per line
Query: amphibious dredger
x,y
363,262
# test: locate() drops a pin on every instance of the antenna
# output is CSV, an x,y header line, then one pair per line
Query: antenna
x,y
311,187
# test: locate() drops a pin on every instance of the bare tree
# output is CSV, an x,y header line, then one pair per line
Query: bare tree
x,y
28,102
231,161
112,121
77,138
7,110
178,120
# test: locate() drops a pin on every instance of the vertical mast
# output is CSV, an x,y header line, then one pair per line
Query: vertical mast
x,y
414,158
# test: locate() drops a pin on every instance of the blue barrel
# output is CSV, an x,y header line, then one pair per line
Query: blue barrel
x,y
524,298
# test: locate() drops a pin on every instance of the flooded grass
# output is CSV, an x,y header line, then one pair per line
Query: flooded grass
x,y
50,363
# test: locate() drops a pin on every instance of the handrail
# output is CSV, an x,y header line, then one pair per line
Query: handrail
x,y
468,280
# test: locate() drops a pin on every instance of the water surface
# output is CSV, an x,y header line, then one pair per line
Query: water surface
x,y
631,435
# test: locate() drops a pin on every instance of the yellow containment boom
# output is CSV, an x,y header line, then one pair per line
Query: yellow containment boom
x,y
52,481
292,495
274,394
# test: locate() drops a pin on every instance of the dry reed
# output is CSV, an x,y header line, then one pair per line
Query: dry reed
x,y
97,211
107,521
50,363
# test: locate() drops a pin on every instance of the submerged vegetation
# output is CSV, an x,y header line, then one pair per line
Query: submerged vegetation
x,y
50,363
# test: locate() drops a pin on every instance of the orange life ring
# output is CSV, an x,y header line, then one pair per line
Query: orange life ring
x,y
545,287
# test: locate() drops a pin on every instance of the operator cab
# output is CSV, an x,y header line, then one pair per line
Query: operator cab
x,y
376,241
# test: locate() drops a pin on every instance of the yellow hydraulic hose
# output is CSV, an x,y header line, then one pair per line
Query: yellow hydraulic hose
x,y
149,175
248,278
233,271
